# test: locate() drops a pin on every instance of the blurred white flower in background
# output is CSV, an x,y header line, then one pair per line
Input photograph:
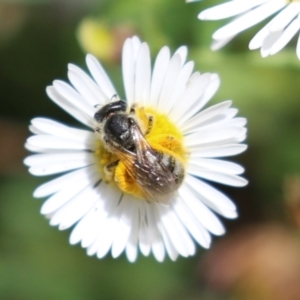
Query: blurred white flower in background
x,y
284,23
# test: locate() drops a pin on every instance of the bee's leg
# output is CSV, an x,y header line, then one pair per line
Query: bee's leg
x,y
150,125
97,129
109,169
115,96
149,117
132,109
112,145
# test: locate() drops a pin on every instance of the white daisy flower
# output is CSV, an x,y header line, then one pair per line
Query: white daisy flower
x,y
272,37
108,207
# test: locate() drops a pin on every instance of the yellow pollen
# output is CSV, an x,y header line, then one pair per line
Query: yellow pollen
x,y
163,136
104,158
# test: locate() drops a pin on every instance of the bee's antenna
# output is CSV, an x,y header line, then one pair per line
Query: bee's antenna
x,y
115,96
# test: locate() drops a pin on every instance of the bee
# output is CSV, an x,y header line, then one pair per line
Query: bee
x,y
158,174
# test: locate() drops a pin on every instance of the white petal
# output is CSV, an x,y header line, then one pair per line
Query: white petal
x,y
109,220
223,120
131,247
48,126
47,164
68,93
100,76
70,107
204,215
228,9
220,177
170,249
76,208
124,226
99,216
206,115
182,51
230,113
93,248
216,165
35,130
144,238
176,232
90,91
59,143
169,80
180,85
286,36
136,43
60,182
210,90
283,18
211,197
218,44
219,151
142,74
35,148
195,228
258,40
157,244
159,71
128,66
238,122
92,227
212,136
67,193
105,237
249,19
298,47
211,194
268,43
83,226
199,92
196,87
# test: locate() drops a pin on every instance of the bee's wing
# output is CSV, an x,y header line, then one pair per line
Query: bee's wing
x,y
127,157
152,175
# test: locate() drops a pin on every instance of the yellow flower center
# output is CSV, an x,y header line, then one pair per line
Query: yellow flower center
x,y
163,136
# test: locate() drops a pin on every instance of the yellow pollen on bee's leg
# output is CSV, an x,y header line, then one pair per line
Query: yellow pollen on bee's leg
x,y
104,159
126,183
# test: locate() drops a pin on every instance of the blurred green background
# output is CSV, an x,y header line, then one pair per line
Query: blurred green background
x,y
38,38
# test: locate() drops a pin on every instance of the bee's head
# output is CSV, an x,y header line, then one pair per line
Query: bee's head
x,y
111,108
